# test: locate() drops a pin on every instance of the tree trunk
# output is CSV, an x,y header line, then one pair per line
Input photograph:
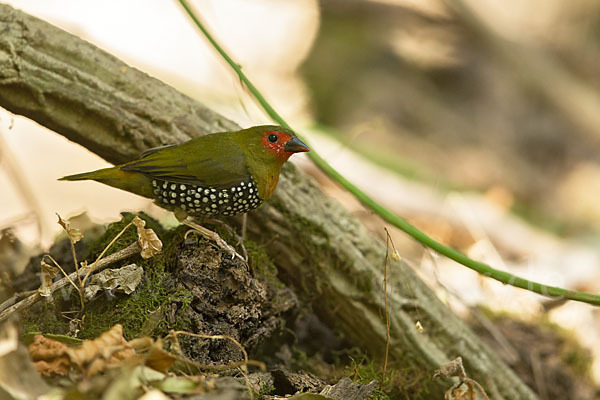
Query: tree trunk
x,y
320,249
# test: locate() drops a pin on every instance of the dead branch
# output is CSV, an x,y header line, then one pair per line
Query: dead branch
x,y
128,251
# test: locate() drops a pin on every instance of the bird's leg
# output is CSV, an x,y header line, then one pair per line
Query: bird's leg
x,y
214,236
233,233
242,238
244,222
208,234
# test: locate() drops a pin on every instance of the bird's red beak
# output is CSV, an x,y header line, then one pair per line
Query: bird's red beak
x,y
295,145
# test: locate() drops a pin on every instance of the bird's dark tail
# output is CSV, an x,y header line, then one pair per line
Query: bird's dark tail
x,y
130,181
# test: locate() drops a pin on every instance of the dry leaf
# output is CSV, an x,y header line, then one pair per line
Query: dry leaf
x,y
141,344
150,353
459,394
451,369
58,366
159,359
49,356
122,280
47,276
111,346
92,356
455,368
43,348
74,234
147,239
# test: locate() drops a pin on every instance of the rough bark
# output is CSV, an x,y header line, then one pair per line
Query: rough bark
x,y
96,100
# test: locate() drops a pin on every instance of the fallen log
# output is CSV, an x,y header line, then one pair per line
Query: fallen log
x,y
319,248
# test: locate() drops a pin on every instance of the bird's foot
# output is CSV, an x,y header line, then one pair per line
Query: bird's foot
x,y
232,232
214,236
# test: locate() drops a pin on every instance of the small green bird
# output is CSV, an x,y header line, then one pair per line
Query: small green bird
x,y
220,174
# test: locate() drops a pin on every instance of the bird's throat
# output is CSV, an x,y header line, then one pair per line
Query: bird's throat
x,y
270,186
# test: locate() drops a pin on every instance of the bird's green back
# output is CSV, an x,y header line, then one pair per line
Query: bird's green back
x,y
211,160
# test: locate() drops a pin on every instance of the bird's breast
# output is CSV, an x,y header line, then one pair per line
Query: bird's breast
x,y
270,186
226,200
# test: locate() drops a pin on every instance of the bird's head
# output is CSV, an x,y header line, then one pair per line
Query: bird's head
x,y
267,148
274,144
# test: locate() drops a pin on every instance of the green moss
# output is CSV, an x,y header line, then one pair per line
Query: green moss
x,y
44,317
577,358
261,264
406,381
366,372
265,389
400,382
136,310
301,361
140,312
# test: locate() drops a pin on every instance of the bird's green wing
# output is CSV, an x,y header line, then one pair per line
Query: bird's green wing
x,y
205,161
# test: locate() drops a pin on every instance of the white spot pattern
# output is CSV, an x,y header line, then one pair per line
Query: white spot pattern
x,y
195,200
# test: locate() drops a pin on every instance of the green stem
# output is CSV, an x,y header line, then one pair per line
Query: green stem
x,y
387,215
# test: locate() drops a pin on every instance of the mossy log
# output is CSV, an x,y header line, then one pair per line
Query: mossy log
x,y
319,248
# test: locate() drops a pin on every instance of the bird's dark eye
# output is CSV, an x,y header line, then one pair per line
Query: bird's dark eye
x,y
272,138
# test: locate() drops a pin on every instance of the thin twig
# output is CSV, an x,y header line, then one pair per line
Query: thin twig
x,y
76,264
474,384
93,266
244,371
78,288
222,367
15,298
128,251
221,337
385,297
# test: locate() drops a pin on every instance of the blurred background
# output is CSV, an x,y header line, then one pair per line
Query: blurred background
x,y
477,120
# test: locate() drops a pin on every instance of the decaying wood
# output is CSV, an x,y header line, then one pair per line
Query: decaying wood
x,y
345,389
320,249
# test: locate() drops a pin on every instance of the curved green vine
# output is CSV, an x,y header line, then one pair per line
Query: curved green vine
x,y
383,212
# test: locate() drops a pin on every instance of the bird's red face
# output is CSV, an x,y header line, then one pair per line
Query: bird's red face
x,y
282,144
